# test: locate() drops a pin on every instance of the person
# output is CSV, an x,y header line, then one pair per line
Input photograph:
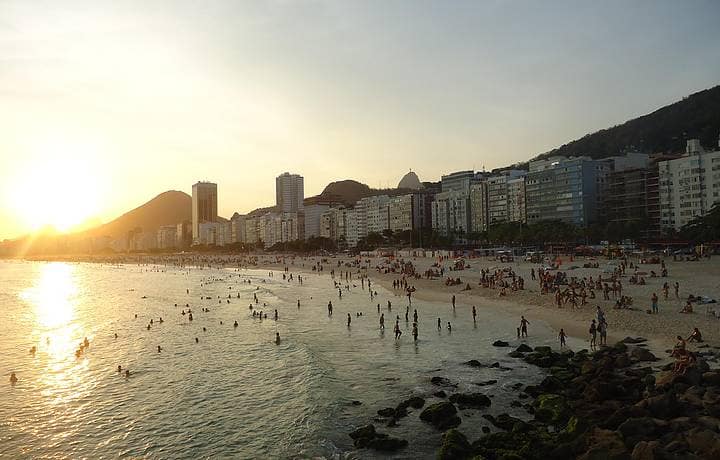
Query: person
x,y
688,308
349,319
235,324
449,327
127,373
654,302
695,336
119,369
277,338
679,346
415,332
677,290
415,316
602,330
382,321
159,348
86,342
407,313
276,315
439,324
523,326
298,303
474,313
593,335
562,337
453,301
197,340
13,378
330,308
398,332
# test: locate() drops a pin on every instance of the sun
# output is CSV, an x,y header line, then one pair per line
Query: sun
x,y
58,187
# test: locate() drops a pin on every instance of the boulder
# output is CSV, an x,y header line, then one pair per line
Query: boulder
x,y
704,442
416,402
503,421
634,430
486,383
641,354
470,400
551,409
442,381
442,415
367,431
523,348
387,412
440,394
711,378
454,446
647,450
605,445
475,363
500,343
635,340
387,443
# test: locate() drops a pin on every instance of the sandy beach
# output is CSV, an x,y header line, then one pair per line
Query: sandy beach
x,y
699,278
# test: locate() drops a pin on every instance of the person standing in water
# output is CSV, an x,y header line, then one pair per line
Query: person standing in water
x,y
329,308
523,326
382,321
277,338
439,324
449,327
562,336
415,331
453,301
407,313
349,320
474,313
398,332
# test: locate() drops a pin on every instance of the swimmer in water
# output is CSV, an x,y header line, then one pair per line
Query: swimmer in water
x,y
33,350
159,348
13,379
277,338
119,369
196,340
236,324
127,373
449,327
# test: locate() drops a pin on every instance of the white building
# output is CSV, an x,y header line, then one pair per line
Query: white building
x,y
237,228
210,233
313,213
479,207
376,214
451,212
166,237
204,206
289,192
516,203
499,201
689,186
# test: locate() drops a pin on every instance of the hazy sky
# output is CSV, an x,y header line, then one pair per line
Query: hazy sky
x,y
103,105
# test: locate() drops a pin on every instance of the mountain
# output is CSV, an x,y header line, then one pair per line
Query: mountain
x,y
168,208
662,131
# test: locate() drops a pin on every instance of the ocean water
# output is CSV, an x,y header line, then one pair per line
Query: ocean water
x,y
235,393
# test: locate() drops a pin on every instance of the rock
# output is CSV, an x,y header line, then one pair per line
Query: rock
x,y
475,363
711,378
485,429
367,431
356,403
387,443
495,365
442,415
474,400
416,402
523,348
544,350
454,446
387,412
551,409
633,340
516,354
486,383
500,343
620,347
574,428
515,404
442,381
504,421
605,445
645,450
664,406
634,430
704,442
440,394
623,361
641,354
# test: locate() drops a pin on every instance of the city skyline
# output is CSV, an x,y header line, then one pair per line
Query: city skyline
x,y
131,100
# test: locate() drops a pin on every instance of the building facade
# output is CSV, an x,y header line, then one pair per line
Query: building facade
x,y
689,185
479,207
289,192
204,206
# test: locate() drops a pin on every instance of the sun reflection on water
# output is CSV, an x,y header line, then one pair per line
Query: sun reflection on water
x,y
53,299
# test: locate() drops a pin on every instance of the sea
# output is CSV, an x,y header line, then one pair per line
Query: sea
x,y
219,391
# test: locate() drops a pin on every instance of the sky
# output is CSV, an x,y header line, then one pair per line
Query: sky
x,y
104,105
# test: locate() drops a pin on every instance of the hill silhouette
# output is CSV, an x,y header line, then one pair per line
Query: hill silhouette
x,y
168,208
663,131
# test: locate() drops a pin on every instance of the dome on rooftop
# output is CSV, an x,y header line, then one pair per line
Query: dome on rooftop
x,y
411,181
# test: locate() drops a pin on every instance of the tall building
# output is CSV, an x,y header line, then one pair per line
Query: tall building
x,y
237,228
500,200
166,237
566,189
204,206
289,192
516,200
458,181
313,212
409,212
689,185
451,212
479,207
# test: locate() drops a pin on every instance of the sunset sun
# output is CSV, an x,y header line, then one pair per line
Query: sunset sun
x,y
58,190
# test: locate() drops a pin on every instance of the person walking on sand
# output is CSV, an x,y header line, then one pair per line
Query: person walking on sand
x,y
593,335
654,303
677,290
523,326
562,338
602,330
